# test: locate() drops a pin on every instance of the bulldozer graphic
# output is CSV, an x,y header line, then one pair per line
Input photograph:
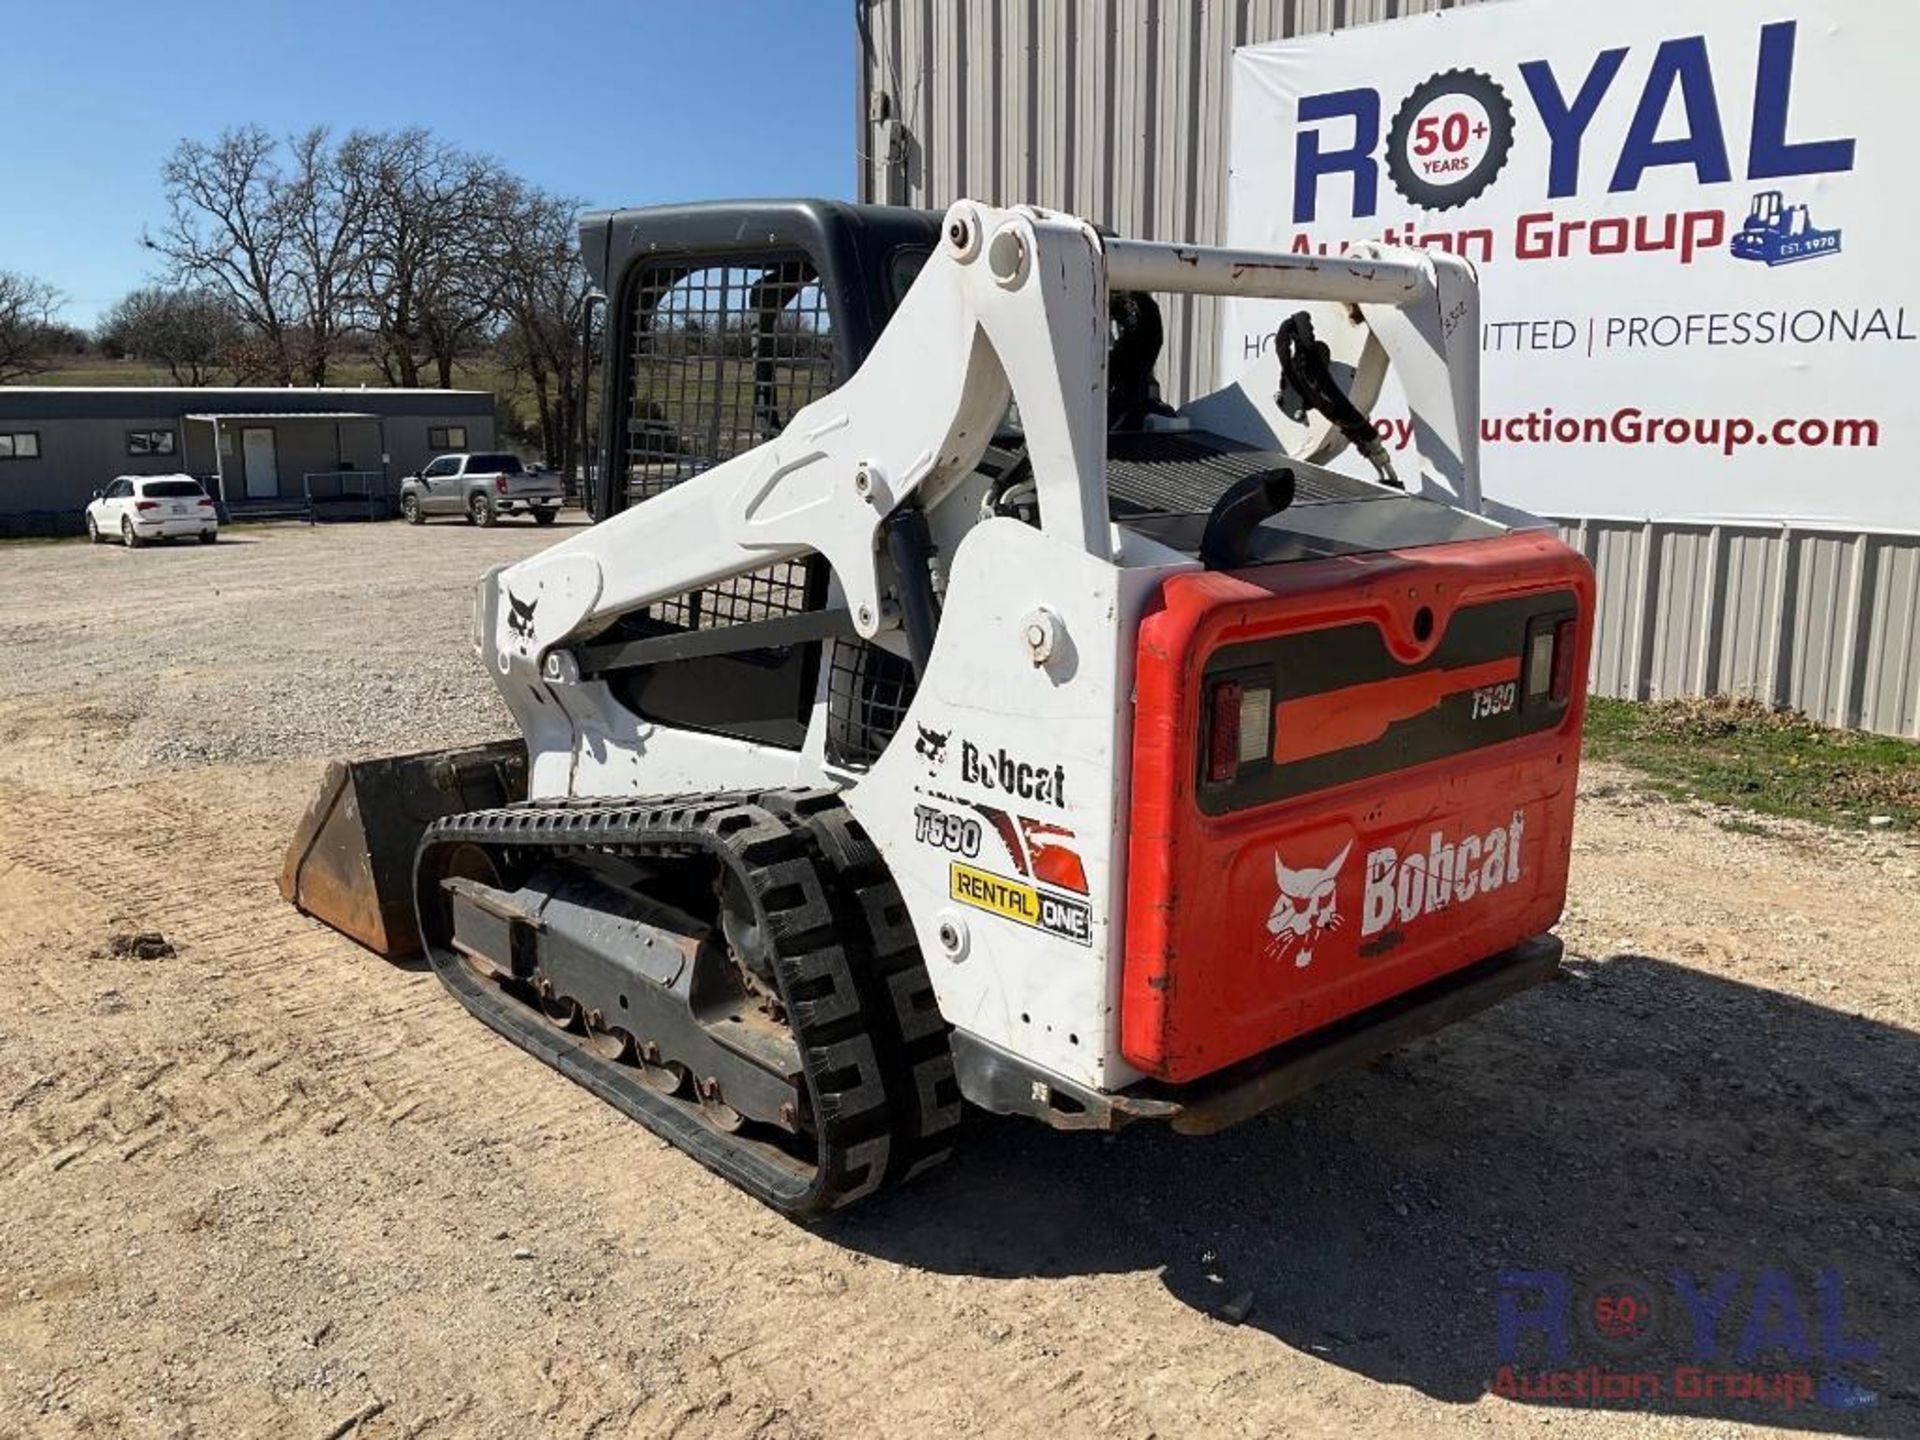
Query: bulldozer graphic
x,y
1780,234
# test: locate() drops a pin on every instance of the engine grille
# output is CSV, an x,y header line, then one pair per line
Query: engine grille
x,y
1184,472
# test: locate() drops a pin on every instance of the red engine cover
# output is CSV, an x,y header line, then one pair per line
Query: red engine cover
x,y
1409,812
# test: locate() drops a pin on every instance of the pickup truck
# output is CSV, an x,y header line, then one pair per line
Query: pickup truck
x,y
482,487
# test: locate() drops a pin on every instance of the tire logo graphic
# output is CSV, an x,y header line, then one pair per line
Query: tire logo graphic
x,y
1449,139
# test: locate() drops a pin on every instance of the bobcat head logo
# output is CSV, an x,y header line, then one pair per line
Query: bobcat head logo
x,y
520,616
932,745
1305,909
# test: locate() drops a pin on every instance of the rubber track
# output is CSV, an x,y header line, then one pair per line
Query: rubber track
x,y
907,1028
778,862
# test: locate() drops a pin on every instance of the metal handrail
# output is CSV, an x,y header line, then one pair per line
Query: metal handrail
x,y
377,492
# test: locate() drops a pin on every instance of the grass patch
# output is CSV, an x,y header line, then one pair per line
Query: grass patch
x,y
1772,762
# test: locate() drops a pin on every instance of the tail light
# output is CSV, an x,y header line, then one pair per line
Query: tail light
x,y
1550,655
1566,637
500,483
204,502
146,504
1223,732
1239,727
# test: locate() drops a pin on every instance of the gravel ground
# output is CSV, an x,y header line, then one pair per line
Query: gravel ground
x,y
267,1184
213,656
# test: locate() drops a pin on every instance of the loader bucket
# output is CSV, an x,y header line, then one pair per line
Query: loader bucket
x,y
351,861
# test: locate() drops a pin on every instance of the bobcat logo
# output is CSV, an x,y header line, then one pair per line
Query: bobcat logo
x,y
1305,909
520,616
932,745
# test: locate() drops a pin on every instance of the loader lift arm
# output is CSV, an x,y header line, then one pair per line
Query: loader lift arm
x,y
1010,306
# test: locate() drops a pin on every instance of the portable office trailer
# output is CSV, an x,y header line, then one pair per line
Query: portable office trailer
x,y
246,445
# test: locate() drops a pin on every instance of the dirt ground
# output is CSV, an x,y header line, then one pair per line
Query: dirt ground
x,y
267,1184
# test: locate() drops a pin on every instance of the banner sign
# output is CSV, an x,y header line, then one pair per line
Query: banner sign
x,y
1693,226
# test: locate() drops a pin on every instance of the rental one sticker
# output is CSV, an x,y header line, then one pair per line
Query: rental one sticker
x,y
1018,901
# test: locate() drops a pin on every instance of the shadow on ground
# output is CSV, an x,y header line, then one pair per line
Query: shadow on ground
x,y
1637,1120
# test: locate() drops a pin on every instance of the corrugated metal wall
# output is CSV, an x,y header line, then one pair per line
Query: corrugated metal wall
x,y
1111,109
1117,110
1825,621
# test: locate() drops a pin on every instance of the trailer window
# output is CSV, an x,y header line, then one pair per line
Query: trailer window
x,y
150,442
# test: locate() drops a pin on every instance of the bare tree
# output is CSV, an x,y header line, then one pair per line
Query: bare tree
x,y
428,251
324,203
29,335
227,229
278,238
428,274
544,289
398,241
194,333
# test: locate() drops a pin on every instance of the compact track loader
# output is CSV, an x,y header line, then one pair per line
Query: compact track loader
x,y
935,716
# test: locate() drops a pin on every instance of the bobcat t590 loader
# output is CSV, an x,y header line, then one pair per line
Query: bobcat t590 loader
x,y
934,716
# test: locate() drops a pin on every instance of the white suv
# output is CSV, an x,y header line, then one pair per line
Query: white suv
x,y
139,508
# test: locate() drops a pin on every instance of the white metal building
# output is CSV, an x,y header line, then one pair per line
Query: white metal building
x,y
1118,110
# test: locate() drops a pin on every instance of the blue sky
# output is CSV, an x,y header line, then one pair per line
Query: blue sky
x,y
615,103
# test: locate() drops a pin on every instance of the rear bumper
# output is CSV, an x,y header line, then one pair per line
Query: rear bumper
x,y
514,503
175,525
998,1081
